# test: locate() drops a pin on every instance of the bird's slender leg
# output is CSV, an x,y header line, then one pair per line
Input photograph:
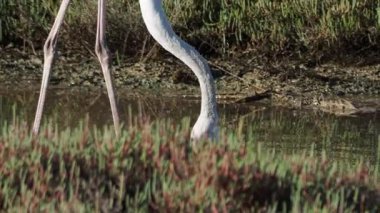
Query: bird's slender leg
x,y
49,54
104,58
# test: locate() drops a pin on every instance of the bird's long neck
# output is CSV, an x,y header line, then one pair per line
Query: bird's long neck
x,y
206,82
161,30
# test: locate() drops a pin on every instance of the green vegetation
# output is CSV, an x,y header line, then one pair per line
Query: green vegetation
x,y
152,166
291,27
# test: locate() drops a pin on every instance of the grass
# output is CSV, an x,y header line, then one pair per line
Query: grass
x,y
296,28
152,166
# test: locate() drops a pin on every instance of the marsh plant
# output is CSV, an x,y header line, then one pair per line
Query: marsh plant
x,y
266,26
152,166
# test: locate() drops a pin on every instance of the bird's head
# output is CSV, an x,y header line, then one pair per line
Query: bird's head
x,y
206,128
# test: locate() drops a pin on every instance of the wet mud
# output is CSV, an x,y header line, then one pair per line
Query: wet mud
x,y
330,87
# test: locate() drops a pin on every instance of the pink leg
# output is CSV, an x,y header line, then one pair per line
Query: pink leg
x,y
49,54
103,56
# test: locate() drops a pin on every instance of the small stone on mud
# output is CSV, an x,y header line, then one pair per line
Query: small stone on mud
x,y
36,61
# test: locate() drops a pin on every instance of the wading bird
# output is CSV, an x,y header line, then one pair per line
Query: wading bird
x,y
161,30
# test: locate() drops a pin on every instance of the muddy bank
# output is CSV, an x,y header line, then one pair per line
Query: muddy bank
x,y
243,79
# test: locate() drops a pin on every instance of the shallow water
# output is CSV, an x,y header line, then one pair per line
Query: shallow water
x,y
285,130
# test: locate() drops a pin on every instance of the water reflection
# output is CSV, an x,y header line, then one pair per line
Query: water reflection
x,y
286,130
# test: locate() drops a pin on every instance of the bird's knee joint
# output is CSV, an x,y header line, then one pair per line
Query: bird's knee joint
x,y
102,51
50,47
50,43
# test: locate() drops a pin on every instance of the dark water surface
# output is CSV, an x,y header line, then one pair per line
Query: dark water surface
x,y
289,131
